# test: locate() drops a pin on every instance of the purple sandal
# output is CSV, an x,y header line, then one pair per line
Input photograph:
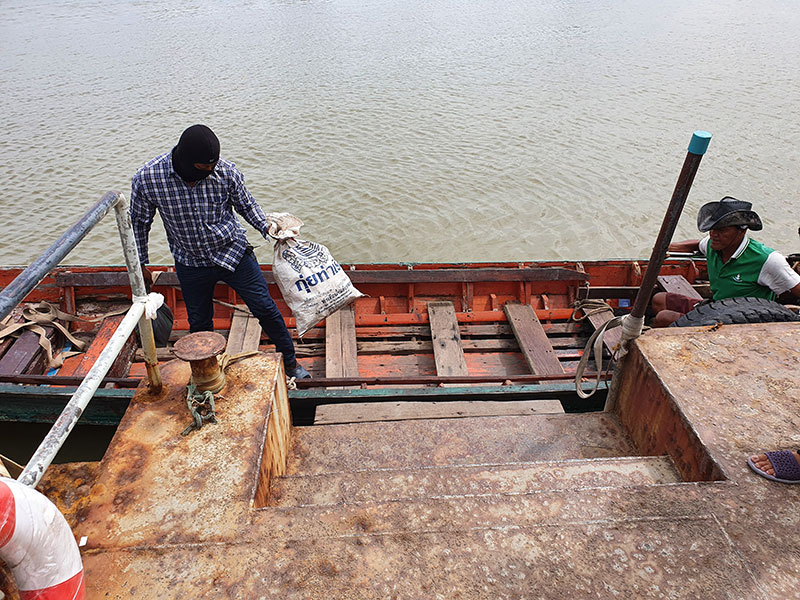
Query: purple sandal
x,y
783,462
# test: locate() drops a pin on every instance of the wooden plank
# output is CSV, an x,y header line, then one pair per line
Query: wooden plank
x,y
465,329
121,364
611,337
563,347
333,345
237,333
329,414
341,353
532,339
120,278
678,284
25,355
252,335
447,350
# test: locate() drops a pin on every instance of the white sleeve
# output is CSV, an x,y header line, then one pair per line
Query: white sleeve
x,y
777,275
703,246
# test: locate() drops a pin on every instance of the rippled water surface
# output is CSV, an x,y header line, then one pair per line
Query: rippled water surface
x,y
408,130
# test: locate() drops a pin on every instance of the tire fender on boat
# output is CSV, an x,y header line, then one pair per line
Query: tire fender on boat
x,y
38,546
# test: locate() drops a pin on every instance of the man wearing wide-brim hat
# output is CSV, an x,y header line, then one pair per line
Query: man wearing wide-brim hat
x,y
738,266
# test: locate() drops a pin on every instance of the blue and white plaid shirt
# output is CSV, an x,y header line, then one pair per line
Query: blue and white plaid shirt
x,y
202,230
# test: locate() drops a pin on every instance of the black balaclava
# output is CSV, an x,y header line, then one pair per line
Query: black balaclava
x,y
198,144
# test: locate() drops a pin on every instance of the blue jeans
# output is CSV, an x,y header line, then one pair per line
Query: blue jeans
x,y
197,285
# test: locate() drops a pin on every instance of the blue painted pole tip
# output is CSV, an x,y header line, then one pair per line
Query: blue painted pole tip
x,y
699,143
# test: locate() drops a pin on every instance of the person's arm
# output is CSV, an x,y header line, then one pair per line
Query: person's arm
x,y
244,204
685,246
777,275
141,212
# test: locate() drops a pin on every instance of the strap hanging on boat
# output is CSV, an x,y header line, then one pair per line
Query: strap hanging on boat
x,y
45,314
631,329
594,344
589,307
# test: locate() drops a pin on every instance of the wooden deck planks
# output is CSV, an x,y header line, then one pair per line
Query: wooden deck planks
x,y
678,284
25,355
447,350
532,339
81,364
245,332
341,357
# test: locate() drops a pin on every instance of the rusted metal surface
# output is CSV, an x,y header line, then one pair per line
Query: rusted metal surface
x,y
434,379
647,559
68,486
200,350
656,423
450,442
158,487
199,346
457,521
504,478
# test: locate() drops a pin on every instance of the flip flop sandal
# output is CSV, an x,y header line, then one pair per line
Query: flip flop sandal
x,y
786,468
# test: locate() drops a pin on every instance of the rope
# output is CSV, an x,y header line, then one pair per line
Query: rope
x,y
595,344
201,403
589,307
38,316
43,314
201,406
632,328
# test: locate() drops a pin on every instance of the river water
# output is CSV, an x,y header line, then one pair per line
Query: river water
x,y
408,130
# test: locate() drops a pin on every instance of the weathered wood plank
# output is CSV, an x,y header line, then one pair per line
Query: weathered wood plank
x,y
329,414
245,332
678,284
25,355
570,347
120,278
532,339
333,346
611,337
252,336
121,364
465,330
447,350
341,354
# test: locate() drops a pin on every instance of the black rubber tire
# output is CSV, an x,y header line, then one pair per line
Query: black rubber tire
x,y
735,311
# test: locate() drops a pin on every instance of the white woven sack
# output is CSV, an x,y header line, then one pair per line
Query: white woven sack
x,y
312,283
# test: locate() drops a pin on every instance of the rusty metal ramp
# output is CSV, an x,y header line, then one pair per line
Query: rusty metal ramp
x,y
652,500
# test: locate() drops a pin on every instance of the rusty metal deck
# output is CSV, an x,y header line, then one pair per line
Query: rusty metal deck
x,y
175,517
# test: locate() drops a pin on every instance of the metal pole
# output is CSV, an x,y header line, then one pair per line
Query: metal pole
x,y
131,252
697,147
632,324
52,443
16,291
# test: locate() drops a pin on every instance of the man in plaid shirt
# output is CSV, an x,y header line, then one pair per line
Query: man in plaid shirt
x,y
195,192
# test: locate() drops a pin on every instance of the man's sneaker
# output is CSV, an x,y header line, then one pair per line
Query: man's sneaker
x,y
299,373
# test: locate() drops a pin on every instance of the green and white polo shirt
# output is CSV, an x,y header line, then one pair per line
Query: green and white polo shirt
x,y
754,270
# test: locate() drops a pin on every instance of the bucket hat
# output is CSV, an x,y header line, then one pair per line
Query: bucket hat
x,y
727,212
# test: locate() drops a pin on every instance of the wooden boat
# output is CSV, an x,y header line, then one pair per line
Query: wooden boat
x,y
422,331
481,499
